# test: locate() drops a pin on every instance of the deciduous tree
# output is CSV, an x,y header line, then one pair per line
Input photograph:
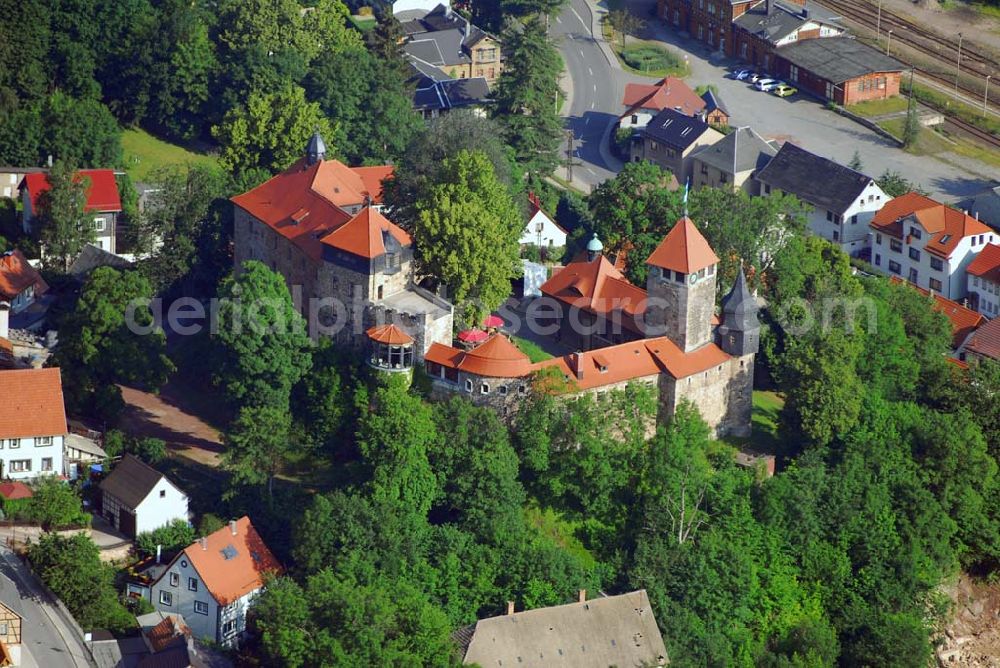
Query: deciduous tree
x,y
63,226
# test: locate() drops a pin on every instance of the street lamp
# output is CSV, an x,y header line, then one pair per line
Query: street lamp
x,y
958,63
888,41
986,93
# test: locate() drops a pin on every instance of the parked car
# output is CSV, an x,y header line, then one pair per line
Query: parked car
x,y
742,73
766,85
784,90
753,77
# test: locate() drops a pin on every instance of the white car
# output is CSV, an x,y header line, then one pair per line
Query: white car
x,y
766,85
754,76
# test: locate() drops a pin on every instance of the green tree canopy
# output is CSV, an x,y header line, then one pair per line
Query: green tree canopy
x,y
63,226
467,231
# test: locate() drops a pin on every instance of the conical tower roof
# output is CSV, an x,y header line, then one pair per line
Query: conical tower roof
x,y
684,249
739,307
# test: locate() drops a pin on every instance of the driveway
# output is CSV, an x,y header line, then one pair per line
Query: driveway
x,y
46,639
596,101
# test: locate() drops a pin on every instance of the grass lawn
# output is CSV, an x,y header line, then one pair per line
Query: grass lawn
x,y
532,350
648,58
559,530
363,23
764,424
879,107
144,153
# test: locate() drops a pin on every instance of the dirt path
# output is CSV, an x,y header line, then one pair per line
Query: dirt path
x,y
168,416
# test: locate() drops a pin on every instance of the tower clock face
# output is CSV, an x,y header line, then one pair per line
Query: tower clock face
x,y
693,279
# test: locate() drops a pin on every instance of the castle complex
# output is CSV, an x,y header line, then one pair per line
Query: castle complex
x,y
349,268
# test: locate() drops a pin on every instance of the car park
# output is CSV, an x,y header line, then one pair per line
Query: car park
x,y
784,90
766,85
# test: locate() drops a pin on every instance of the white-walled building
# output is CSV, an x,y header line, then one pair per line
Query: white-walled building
x,y
213,582
541,230
137,498
844,201
32,423
927,243
983,281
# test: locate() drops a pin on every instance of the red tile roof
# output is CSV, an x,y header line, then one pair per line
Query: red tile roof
x,y
389,335
102,191
963,320
985,341
362,235
684,249
166,633
497,357
945,225
232,566
634,360
32,403
304,202
17,275
668,93
15,490
597,287
986,265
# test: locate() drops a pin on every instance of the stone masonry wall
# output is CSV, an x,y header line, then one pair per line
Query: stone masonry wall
x,y
723,395
253,240
682,312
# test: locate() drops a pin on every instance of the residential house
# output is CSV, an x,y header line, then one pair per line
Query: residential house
x,y
11,177
840,69
213,582
32,423
983,281
10,636
542,230
844,200
435,93
103,202
984,206
670,138
597,633
715,111
319,225
670,339
732,162
136,498
964,321
20,285
984,343
447,40
769,25
928,243
91,258
643,101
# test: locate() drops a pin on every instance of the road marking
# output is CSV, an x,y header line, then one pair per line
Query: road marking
x,y
582,22
558,20
595,88
592,104
591,171
590,71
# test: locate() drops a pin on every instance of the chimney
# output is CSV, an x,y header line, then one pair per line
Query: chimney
x,y
510,607
583,596
577,364
232,526
158,550
204,543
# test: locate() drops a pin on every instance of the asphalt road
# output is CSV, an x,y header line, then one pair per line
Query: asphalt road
x,y
594,89
42,644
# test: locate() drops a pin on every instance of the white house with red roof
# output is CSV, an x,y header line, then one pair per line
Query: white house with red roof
x,y
643,101
983,281
319,224
213,582
928,243
103,202
32,423
541,230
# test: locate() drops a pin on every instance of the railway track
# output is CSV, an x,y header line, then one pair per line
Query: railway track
x,y
962,126
942,49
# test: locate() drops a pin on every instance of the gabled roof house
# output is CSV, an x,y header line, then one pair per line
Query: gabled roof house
x,y
136,498
213,581
32,423
103,202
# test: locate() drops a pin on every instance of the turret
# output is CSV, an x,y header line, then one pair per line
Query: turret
x,y
594,248
739,332
316,149
681,287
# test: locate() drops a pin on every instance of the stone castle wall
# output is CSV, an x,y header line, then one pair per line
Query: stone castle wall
x,y
681,311
722,394
253,240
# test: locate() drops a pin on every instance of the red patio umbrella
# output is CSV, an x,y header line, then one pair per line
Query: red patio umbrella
x,y
472,336
493,321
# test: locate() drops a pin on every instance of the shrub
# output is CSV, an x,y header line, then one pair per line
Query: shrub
x,y
172,538
55,505
648,58
209,524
